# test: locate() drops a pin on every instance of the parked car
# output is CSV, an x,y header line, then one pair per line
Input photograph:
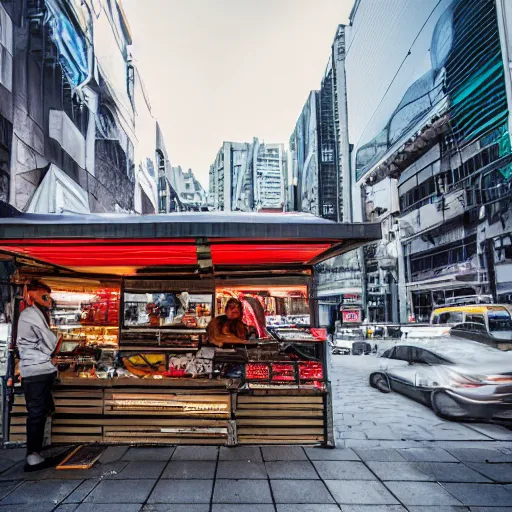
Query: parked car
x,y
350,341
459,379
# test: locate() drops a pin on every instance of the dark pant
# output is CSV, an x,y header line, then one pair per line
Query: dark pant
x,y
39,399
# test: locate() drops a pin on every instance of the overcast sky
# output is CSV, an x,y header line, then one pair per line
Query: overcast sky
x,y
230,70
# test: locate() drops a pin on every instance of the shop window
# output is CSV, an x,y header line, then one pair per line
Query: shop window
x,y
162,203
265,307
167,309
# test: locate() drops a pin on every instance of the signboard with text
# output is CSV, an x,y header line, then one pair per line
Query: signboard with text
x,y
352,316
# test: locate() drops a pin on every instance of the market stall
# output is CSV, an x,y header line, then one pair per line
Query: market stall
x,y
134,296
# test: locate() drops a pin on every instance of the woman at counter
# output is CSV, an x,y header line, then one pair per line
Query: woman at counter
x,y
229,328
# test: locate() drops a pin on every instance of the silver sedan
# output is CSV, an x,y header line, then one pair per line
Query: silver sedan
x,y
458,379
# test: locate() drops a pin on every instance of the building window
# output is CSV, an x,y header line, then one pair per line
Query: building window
x,y
162,204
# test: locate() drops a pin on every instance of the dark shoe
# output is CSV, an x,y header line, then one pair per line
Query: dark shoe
x,y
47,463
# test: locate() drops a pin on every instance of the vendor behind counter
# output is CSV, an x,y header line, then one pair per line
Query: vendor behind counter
x,y
229,328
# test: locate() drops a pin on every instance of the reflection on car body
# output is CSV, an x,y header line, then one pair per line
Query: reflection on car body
x,y
458,378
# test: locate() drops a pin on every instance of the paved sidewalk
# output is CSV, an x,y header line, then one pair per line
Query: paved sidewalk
x,y
267,479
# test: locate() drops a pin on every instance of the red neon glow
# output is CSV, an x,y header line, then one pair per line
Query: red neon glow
x,y
266,253
146,252
101,253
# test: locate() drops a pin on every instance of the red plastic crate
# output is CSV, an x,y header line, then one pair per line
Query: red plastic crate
x,y
257,371
311,371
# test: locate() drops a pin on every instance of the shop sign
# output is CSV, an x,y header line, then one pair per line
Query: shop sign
x,y
352,316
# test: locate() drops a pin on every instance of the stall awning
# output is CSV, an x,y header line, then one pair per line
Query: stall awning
x,y
134,245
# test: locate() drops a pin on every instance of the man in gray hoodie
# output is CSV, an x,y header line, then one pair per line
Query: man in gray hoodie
x,y
37,345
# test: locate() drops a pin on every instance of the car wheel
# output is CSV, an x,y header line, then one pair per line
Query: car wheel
x,y
446,406
380,382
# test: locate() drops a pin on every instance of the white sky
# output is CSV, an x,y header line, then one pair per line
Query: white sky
x,y
230,70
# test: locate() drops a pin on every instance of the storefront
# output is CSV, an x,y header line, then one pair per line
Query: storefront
x,y
134,296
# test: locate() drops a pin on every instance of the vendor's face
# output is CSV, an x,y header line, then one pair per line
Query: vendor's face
x,y
42,297
232,312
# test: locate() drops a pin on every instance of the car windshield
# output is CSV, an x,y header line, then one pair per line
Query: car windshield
x,y
499,320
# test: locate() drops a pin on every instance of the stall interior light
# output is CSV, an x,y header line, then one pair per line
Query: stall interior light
x,y
309,370
257,371
72,297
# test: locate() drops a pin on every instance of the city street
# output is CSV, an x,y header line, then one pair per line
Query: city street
x,y
364,417
392,455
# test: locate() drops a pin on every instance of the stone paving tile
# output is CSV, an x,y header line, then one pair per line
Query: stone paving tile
x,y
380,455
490,509
360,492
45,491
16,473
432,454
121,491
493,431
34,507
401,471
96,507
310,507
66,508
181,491
240,469
274,453
6,487
188,507
481,494
373,508
501,473
243,508
97,471
450,472
113,454
137,470
150,453
5,464
241,491
13,454
449,508
422,493
425,471
300,491
331,454
343,470
480,455
190,470
289,470
81,492
246,453
195,453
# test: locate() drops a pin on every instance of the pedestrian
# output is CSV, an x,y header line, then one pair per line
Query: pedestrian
x,y
37,345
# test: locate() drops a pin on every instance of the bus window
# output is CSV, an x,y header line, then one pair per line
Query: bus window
x,y
450,317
